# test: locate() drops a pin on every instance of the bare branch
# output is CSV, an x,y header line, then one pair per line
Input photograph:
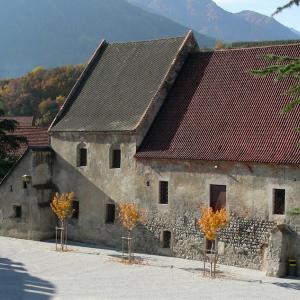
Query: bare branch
x,y
287,5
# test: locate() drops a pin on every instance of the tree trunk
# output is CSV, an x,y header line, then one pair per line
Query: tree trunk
x,y
204,258
66,235
62,236
215,256
211,256
129,246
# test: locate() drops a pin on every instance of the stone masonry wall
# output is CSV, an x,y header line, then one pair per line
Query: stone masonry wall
x,y
244,241
249,199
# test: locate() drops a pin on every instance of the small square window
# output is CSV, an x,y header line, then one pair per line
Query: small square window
x,y
279,202
110,213
166,239
17,211
82,157
163,192
76,209
116,159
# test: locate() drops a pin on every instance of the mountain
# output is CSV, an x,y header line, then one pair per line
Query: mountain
x,y
207,17
295,31
271,28
58,32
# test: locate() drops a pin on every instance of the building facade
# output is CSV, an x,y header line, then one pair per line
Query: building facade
x,y
171,128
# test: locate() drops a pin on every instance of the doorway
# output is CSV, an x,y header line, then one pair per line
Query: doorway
x,y
217,196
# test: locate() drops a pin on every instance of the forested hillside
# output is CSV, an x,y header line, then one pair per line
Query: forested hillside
x,y
39,93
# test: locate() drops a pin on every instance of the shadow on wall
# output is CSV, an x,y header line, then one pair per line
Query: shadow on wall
x,y
91,227
180,97
16,283
289,250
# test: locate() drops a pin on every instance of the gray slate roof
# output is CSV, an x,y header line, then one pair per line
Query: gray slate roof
x,y
117,86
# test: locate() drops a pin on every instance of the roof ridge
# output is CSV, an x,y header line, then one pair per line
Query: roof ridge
x,y
145,41
174,67
31,126
248,48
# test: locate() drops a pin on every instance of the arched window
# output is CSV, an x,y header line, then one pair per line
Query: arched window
x,y
81,155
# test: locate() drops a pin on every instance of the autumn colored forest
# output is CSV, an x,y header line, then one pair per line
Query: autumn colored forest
x,y
39,93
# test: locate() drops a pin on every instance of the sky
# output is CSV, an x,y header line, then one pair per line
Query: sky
x,y
289,17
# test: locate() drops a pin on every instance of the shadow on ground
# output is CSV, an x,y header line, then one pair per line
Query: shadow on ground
x,y
125,257
288,285
16,283
72,243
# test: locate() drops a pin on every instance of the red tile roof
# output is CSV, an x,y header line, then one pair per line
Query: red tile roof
x,y
36,136
23,121
218,111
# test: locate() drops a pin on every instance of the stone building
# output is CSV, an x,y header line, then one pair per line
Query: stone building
x,y
171,127
25,191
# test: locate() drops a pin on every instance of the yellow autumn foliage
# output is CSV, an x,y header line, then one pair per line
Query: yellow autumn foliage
x,y
129,215
210,221
62,205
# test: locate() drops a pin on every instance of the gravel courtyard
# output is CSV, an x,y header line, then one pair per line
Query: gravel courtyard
x,y
34,270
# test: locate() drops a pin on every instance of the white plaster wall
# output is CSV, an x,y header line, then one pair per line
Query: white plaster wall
x,y
96,184
36,222
249,187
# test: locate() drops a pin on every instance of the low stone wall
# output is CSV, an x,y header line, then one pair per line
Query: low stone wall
x,y
244,241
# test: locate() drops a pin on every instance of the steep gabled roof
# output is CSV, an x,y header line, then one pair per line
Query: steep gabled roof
x,y
218,111
116,88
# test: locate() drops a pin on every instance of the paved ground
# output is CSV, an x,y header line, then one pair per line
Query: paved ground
x,y
33,270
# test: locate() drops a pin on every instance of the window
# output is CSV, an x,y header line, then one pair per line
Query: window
x,y
24,185
82,157
163,192
76,209
116,159
17,211
279,202
110,213
217,196
166,239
